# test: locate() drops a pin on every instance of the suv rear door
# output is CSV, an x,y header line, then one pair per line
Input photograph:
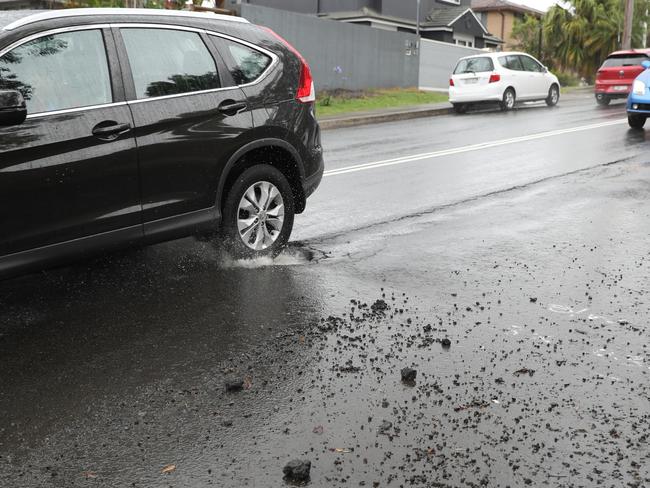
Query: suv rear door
x,y
187,123
70,170
515,76
535,77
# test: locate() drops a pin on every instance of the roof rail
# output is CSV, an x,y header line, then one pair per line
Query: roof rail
x,y
79,12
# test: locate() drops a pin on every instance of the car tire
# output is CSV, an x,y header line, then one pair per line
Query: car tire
x,y
258,214
460,108
553,96
602,100
509,99
636,121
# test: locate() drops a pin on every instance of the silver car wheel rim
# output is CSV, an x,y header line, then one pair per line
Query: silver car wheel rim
x,y
510,100
260,215
554,95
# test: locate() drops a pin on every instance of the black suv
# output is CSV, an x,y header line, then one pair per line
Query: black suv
x,y
127,126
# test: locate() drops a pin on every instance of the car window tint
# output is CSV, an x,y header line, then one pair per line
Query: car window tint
x,y
530,64
169,62
474,65
244,63
57,72
624,60
511,62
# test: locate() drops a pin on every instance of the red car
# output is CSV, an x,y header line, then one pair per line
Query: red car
x,y
614,78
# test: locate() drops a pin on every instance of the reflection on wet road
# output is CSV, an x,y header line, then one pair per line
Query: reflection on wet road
x,y
114,370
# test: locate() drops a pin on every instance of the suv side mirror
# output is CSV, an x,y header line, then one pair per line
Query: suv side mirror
x,y
645,64
13,110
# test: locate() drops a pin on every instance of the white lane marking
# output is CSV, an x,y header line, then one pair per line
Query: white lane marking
x,y
464,149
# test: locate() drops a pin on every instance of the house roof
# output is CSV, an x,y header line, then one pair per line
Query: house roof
x,y
447,16
443,16
504,5
437,17
366,12
493,39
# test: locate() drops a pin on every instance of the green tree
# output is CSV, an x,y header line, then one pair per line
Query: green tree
x,y
579,35
526,33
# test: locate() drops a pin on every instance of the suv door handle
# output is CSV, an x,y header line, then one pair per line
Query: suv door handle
x,y
110,130
230,107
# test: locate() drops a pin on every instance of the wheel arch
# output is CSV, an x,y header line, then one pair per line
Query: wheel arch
x,y
272,151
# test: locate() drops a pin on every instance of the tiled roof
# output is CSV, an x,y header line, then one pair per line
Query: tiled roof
x,y
487,5
443,16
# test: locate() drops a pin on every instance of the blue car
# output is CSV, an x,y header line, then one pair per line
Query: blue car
x,y
638,103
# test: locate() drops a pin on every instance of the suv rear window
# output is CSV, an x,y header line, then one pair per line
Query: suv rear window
x,y
474,65
624,60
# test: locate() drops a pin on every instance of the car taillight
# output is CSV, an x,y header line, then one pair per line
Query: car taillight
x,y
306,92
451,82
494,77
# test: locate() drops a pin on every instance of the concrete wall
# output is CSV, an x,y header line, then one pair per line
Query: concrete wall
x,y
343,55
438,60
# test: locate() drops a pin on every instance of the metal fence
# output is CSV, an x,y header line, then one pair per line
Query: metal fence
x,y
343,55
437,61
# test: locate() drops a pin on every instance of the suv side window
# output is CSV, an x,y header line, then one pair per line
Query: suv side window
x,y
169,62
59,71
511,62
530,64
244,63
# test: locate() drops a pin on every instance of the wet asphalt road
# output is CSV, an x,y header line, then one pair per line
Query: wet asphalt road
x,y
532,257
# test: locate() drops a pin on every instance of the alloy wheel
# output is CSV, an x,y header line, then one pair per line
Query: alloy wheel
x,y
260,215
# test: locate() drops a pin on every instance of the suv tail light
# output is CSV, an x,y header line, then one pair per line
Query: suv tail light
x,y
451,82
494,77
306,92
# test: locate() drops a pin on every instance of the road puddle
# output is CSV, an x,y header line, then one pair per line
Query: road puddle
x,y
295,254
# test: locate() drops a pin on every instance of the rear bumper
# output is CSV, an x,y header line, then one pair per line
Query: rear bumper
x,y
611,91
486,93
312,182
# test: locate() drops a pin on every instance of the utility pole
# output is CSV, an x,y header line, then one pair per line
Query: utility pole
x,y
417,17
627,26
540,40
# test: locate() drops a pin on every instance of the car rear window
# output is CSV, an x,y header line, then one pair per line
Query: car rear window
x,y
474,65
624,60
244,63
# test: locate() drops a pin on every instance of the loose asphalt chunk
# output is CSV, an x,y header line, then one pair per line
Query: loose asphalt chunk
x,y
234,385
408,375
297,470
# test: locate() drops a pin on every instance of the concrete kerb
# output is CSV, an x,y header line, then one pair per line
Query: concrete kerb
x,y
406,113
376,118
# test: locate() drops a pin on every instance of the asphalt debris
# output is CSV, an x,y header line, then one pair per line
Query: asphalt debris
x,y
297,470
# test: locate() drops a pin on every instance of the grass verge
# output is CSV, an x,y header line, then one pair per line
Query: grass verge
x,y
342,102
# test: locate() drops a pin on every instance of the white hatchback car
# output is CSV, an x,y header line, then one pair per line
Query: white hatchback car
x,y
503,77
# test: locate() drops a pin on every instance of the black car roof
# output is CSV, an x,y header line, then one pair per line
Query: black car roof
x,y
88,13
19,23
